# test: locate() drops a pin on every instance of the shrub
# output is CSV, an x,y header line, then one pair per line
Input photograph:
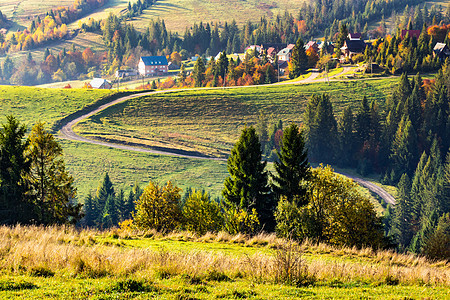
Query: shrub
x,y
201,214
158,207
290,267
238,220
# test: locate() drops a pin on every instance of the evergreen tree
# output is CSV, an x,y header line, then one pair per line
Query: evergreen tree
x,y
404,150
90,212
346,137
299,60
363,122
199,72
222,65
438,244
109,215
247,186
104,190
119,203
401,223
292,169
321,129
261,129
14,165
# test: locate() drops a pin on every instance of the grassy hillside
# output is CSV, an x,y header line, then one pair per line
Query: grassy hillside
x,y
22,12
31,104
179,14
210,121
38,263
88,163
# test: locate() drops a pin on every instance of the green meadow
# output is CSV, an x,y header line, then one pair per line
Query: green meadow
x,y
209,121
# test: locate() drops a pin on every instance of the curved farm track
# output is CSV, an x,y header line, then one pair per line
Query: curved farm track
x,y
66,131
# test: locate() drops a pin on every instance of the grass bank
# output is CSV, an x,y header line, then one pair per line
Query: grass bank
x,y
58,262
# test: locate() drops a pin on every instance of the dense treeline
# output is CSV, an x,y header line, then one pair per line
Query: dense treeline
x,y
65,65
3,20
35,187
407,142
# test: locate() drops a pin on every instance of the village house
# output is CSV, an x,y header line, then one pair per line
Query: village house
x,y
441,50
285,54
410,33
313,45
153,65
354,36
351,48
100,83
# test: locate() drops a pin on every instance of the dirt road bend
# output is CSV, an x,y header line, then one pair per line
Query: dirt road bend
x,y
66,132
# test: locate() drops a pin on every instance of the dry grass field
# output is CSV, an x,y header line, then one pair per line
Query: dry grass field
x,y
61,262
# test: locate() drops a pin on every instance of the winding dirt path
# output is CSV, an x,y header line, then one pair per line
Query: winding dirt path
x,y
66,131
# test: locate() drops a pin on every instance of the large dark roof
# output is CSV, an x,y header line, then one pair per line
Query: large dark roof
x,y
154,60
355,46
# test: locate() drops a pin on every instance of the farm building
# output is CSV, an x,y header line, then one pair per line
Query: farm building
x,y
100,83
441,50
153,65
125,73
354,36
353,47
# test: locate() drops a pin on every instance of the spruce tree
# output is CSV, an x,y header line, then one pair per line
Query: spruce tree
x,y
346,137
14,164
247,186
292,167
89,212
401,227
321,129
404,150
363,122
299,60
104,191
199,72
109,215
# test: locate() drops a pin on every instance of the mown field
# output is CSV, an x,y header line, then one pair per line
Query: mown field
x,y
179,14
210,121
22,12
43,263
88,163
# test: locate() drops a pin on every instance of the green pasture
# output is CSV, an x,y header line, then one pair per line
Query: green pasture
x,y
209,121
30,104
88,163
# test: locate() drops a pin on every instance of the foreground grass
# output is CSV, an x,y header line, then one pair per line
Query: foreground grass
x,y
38,263
209,121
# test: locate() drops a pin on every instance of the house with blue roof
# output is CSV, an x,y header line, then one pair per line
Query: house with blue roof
x,y
153,65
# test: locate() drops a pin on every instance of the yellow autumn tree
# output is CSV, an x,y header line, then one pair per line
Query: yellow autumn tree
x,y
158,208
342,216
201,214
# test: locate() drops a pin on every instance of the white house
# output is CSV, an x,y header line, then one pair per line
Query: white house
x,y
153,65
100,83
